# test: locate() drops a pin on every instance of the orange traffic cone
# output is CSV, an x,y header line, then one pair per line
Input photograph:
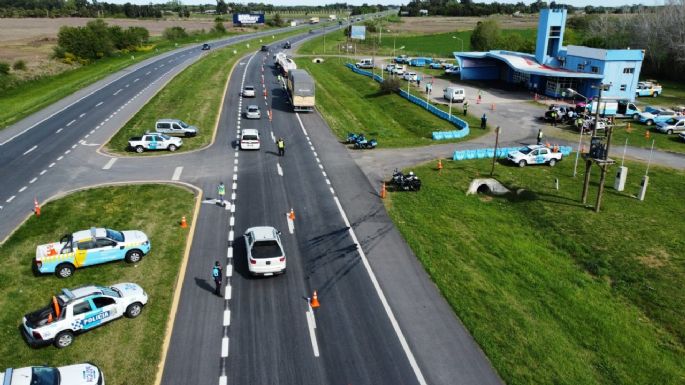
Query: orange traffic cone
x,y
383,192
292,215
36,207
439,164
647,134
314,301
629,128
184,224
492,106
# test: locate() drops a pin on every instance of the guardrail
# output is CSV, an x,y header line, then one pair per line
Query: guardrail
x,y
502,152
463,126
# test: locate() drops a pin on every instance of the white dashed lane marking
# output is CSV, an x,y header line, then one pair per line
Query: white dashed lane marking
x,y
117,92
58,131
30,149
82,115
33,180
23,189
70,123
10,199
99,104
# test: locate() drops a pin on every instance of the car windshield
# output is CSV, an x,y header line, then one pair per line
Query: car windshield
x,y
253,109
249,88
526,151
165,137
44,376
183,124
115,235
110,291
266,249
671,121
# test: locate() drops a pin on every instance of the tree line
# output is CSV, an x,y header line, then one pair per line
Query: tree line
x,y
470,8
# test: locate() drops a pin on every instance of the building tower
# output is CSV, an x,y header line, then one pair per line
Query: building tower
x,y
550,35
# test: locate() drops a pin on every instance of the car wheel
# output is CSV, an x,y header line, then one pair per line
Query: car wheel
x,y
172,147
654,95
134,256
669,132
133,310
636,116
522,163
140,149
63,339
188,134
64,270
650,122
552,162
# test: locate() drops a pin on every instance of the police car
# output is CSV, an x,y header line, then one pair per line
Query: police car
x,y
90,247
79,310
534,154
80,374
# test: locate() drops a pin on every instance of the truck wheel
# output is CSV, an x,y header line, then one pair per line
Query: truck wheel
x,y
134,256
133,310
172,147
654,95
669,132
650,122
140,149
63,339
64,270
636,116
522,163
552,162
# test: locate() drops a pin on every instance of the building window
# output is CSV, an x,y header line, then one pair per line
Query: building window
x,y
624,87
555,31
594,69
629,70
581,67
520,78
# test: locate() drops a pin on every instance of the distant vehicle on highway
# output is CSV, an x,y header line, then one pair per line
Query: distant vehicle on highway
x,y
205,47
534,154
265,48
286,45
79,374
175,127
81,309
154,141
253,112
90,247
249,92
265,255
249,139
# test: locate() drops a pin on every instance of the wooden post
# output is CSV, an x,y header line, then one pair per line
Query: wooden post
x,y
586,182
494,156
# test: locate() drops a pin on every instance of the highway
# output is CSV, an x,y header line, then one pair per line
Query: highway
x,y
381,320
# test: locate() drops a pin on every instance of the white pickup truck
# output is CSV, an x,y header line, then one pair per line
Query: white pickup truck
x,y
154,141
79,374
534,154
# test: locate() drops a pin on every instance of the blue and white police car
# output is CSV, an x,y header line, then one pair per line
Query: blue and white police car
x,y
78,310
79,374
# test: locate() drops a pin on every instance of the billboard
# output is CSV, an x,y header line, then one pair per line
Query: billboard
x,y
248,18
358,32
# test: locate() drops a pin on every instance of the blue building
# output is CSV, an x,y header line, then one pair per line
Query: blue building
x,y
554,68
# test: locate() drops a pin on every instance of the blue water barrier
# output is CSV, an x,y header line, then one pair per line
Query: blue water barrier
x,y
463,126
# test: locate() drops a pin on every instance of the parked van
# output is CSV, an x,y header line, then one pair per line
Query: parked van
x,y
365,63
454,94
175,127
249,139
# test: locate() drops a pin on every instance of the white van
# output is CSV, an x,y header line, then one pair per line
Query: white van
x,y
249,139
365,63
454,94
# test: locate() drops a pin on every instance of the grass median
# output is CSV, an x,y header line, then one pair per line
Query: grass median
x,y
193,96
553,292
353,103
127,350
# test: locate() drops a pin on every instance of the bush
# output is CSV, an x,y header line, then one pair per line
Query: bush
x,y
4,68
175,33
19,65
390,84
219,28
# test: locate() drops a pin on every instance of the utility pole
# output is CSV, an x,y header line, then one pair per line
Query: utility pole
x,y
494,156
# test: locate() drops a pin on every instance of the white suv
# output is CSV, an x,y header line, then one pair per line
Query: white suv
x,y
265,255
249,139
80,374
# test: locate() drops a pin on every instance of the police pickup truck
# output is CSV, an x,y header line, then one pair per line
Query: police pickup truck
x,y
79,374
90,247
534,154
154,141
79,310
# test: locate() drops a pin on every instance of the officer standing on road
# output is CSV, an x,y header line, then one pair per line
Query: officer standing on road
x,y
554,118
483,121
466,107
280,143
540,136
217,276
221,191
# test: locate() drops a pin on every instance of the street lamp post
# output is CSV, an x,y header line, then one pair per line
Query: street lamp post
x,y
580,140
461,41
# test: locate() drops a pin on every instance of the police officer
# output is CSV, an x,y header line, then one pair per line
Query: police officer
x,y
217,276
280,143
540,136
554,117
483,121
221,191
466,107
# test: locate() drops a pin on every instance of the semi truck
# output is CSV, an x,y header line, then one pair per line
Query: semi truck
x,y
301,90
285,63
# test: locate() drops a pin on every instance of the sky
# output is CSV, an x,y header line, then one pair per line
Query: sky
x,y
577,3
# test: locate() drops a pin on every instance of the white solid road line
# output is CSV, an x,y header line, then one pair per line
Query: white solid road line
x,y
70,123
224,347
30,149
311,325
177,173
99,104
119,90
279,169
109,164
223,380
386,306
227,317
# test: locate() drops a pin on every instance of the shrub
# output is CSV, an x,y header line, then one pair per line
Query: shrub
x,y
4,68
175,33
19,65
390,84
219,28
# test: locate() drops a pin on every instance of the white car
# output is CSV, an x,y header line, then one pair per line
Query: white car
x,y
410,76
249,92
253,112
534,154
79,374
154,141
249,139
79,310
672,125
265,255
398,70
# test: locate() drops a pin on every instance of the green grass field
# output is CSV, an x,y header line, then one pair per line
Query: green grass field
x,y
553,292
353,103
127,350
434,45
674,95
185,97
34,95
